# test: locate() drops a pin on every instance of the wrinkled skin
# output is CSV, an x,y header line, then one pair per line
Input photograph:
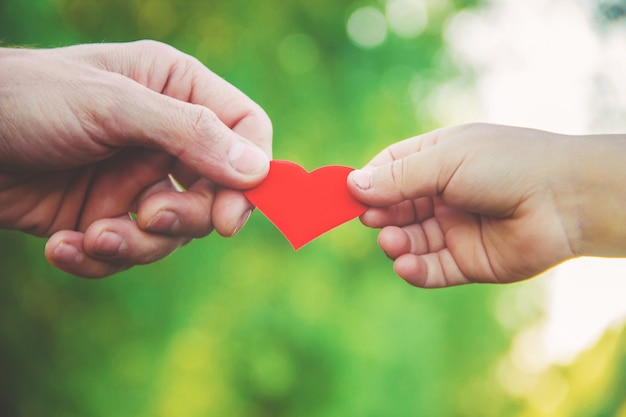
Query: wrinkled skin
x,y
89,133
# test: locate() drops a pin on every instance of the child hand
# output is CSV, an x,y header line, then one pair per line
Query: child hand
x,y
474,203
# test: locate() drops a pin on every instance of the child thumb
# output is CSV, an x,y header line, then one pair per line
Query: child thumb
x,y
417,175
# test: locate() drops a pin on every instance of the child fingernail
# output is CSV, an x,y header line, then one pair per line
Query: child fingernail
x,y
362,178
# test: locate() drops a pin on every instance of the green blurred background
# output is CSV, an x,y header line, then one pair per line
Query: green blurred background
x,y
245,326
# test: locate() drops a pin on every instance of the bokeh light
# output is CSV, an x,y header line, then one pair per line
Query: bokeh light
x,y
367,27
407,18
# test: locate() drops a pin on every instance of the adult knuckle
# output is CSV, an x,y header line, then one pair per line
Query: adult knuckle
x,y
152,46
265,123
205,124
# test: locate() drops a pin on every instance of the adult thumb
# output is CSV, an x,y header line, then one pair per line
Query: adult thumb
x,y
416,175
191,132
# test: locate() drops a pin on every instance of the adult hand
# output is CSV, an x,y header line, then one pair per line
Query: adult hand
x,y
485,203
89,133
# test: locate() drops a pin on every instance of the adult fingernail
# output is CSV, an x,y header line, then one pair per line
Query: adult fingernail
x,y
109,244
242,222
362,178
165,221
67,254
248,159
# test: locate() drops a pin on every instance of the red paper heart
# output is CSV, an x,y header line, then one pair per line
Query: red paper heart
x,y
305,205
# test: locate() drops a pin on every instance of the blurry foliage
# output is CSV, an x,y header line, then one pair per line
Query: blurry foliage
x,y
245,326
612,10
593,385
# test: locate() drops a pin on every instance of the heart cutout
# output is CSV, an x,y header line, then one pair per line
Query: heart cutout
x,y
304,205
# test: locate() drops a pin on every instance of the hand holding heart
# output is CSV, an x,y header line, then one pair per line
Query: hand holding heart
x,y
90,133
443,221
486,203
475,203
